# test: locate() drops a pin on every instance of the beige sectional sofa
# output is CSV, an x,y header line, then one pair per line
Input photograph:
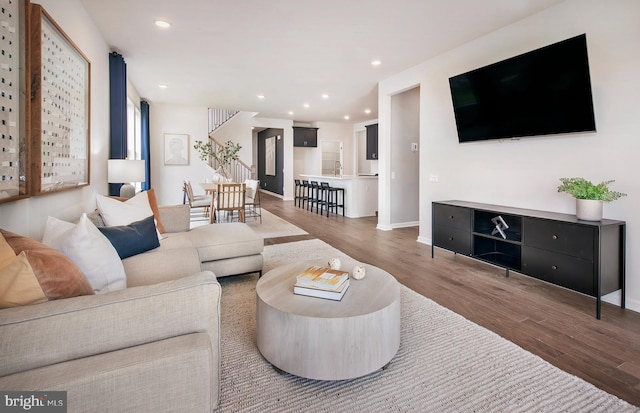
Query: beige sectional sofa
x,y
152,347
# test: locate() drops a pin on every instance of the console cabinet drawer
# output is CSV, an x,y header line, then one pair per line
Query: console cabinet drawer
x,y
453,239
560,269
570,239
452,216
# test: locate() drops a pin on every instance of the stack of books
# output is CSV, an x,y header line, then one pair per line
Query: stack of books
x,y
322,282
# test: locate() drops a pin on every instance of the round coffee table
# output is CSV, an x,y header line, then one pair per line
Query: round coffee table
x,y
325,339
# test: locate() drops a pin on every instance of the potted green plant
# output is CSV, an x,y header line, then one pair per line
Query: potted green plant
x,y
224,154
589,196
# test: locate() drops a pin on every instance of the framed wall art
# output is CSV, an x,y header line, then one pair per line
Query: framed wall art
x,y
14,147
60,96
270,156
176,149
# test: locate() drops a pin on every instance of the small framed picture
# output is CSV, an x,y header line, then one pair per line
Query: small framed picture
x,y
176,149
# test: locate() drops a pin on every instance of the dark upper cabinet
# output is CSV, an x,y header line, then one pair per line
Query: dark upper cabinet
x,y
372,141
303,136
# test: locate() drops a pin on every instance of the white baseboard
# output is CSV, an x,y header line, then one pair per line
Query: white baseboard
x,y
384,227
406,224
616,296
424,240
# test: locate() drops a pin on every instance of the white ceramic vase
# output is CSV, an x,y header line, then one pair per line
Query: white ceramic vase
x,y
334,263
589,209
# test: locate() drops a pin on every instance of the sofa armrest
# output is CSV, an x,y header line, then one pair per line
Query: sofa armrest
x,y
175,218
62,330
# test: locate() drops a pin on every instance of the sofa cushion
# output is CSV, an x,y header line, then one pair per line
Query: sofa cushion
x,y
132,239
223,241
57,276
90,250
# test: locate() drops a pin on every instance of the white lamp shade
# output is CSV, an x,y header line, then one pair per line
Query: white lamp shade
x,y
124,170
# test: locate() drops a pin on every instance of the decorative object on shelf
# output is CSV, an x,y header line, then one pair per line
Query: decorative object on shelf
x,y
358,272
589,197
60,81
125,171
500,226
334,263
176,149
224,154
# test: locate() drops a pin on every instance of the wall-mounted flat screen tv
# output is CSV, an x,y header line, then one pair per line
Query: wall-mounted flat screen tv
x,y
545,91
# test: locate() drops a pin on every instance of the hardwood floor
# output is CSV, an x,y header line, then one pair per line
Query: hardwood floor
x,y
556,324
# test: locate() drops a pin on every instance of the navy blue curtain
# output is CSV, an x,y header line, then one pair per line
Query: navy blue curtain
x,y
146,143
118,108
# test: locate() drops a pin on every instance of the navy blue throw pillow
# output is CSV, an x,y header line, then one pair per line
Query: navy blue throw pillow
x,y
132,239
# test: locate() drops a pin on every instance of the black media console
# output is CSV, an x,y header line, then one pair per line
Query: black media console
x,y
584,256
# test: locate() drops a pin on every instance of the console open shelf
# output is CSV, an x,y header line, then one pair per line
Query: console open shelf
x,y
584,256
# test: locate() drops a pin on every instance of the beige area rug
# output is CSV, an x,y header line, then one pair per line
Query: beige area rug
x,y
272,226
445,363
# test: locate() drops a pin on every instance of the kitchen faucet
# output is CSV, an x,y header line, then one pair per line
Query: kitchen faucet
x,y
337,166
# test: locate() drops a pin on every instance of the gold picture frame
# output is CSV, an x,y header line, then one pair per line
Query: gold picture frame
x,y
60,107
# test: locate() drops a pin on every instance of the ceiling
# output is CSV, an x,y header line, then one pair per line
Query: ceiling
x,y
224,53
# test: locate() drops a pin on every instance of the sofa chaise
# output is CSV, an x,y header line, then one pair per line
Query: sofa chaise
x,y
151,347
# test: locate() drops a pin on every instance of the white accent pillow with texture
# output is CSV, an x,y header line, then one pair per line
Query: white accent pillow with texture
x,y
115,212
91,251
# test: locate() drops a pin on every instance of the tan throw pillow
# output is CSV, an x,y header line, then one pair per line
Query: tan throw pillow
x,y
56,275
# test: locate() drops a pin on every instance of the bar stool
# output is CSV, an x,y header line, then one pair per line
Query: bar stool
x,y
326,197
337,196
297,194
312,197
306,193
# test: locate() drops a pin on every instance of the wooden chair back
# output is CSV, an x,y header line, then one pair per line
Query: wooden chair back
x,y
230,197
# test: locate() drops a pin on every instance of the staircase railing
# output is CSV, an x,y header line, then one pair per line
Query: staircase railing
x,y
238,171
218,117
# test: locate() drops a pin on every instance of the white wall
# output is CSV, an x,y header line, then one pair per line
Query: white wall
x,y
28,216
526,173
405,164
166,180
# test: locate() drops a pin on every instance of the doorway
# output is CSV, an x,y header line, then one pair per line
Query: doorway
x,y
271,160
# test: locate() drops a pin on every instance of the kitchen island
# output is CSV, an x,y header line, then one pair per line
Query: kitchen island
x,y
360,192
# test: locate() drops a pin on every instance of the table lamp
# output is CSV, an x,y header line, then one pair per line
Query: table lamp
x,y
125,171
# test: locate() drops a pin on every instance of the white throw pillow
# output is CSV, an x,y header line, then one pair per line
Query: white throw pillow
x,y
115,213
91,251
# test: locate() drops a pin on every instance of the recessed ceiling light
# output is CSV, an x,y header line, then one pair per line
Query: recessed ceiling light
x,y
376,62
163,24
367,111
325,96
290,113
347,117
260,96
162,86
306,105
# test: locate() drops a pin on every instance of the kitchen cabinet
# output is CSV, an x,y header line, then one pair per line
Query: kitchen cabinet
x,y
372,141
305,137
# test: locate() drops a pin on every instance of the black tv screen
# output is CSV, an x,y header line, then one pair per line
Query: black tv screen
x,y
545,91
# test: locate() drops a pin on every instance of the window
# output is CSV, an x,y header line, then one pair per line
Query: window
x,y
134,135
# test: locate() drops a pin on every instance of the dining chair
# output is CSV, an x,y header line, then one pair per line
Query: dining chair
x,y
252,199
196,201
229,199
